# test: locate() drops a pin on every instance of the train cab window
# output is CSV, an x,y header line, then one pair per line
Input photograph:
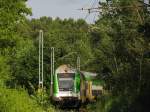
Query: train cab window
x,y
66,81
66,84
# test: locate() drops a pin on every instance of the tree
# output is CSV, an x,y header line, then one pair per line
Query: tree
x,y
122,46
13,12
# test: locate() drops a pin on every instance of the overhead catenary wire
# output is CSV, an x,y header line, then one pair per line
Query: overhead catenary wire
x,y
112,7
93,4
94,18
108,6
89,2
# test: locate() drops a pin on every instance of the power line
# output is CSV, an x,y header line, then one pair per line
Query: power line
x,y
111,7
96,9
93,4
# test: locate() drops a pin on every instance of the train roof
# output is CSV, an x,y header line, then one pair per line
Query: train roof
x,y
68,69
65,69
89,74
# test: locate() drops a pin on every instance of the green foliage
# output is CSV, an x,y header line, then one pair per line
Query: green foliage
x,y
69,37
122,49
116,47
103,105
12,100
12,13
110,104
4,70
42,98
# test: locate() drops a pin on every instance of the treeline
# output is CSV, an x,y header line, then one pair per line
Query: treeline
x,y
122,37
69,38
19,54
116,47
13,48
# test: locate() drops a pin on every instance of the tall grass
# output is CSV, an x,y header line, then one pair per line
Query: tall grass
x,y
12,100
109,103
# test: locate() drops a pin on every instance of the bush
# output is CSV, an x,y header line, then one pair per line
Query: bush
x,y
12,100
110,103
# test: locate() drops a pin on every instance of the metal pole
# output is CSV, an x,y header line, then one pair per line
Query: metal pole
x,y
78,63
39,57
53,61
42,57
52,69
51,84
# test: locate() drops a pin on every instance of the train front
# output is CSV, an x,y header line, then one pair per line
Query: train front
x,y
66,85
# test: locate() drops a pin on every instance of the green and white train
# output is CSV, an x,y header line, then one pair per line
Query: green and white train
x,y
70,84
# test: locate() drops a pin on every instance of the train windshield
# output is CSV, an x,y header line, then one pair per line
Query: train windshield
x,y
66,82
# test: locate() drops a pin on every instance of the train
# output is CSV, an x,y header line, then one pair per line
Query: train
x,y
75,86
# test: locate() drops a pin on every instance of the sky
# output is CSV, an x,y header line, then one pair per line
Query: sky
x,y
62,9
